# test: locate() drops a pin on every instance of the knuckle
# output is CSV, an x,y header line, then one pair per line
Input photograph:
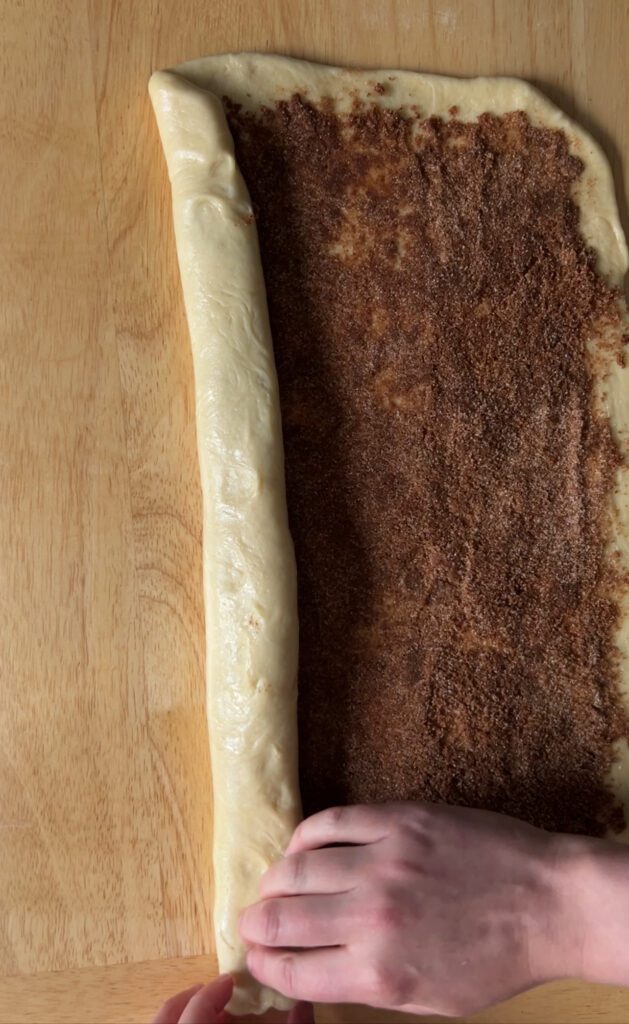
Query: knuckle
x,y
388,910
388,914
398,868
383,913
421,813
377,981
387,984
417,829
299,832
415,821
334,816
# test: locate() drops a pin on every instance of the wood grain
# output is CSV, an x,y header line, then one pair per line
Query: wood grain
x,y
105,808
130,994
105,839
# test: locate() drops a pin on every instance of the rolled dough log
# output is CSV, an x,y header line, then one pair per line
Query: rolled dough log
x,y
248,562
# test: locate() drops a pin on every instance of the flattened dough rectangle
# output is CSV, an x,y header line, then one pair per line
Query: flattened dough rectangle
x,y
249,574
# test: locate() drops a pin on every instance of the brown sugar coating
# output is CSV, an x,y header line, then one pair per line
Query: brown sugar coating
x,y
447,475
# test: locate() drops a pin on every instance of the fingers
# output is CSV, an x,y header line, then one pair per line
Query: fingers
x,y
206,1005
362,824
304,921
170,1011
315,871
318,975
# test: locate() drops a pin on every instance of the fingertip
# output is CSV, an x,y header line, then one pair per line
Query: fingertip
x,y
294,841
224,980
209,1001
262,884
170,1011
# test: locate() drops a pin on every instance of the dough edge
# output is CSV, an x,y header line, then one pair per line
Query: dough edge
x,y
248,561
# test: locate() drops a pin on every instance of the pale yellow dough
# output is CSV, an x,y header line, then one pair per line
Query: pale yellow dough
x,y
249,571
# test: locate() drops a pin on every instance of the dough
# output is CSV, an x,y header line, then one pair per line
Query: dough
x,y
249,574
248,563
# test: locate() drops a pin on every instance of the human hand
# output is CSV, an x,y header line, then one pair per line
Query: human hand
x,y
431,909
205,1004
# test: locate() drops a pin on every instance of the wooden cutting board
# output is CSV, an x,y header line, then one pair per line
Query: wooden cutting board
x,y
105,806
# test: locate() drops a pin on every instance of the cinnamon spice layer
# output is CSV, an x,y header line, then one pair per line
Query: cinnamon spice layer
x,y
447,472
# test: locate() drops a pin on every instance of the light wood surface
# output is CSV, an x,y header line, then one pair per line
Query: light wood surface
x,y
130,993
105,807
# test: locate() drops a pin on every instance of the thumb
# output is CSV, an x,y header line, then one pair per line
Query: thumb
x,y
209,1002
